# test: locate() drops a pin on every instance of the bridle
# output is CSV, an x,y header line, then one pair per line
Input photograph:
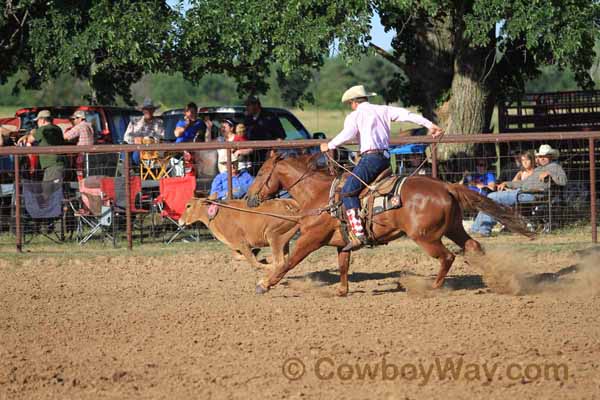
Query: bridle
x,y
265,182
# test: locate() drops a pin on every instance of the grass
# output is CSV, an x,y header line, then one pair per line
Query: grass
x,y
8,111
565,239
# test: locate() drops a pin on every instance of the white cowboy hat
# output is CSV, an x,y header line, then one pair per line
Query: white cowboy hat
x,y
547,150
356,92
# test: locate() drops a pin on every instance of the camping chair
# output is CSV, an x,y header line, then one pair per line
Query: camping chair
x,y
43,205
91,211
543,209
113,192
174,195
153,165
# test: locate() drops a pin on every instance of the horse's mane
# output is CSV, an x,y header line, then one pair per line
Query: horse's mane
x,y
312,162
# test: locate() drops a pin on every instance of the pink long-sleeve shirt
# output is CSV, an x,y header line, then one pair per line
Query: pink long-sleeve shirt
x,y
371,123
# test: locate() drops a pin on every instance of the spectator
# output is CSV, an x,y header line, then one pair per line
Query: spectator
x,y
527,166
483,181
188,128
47,134
81,130
147,126
240,133
549,167
227,130
242,154
228,134
84,133
261,125
241,181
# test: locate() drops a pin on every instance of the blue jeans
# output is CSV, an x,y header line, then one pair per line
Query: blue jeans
x,y
369,166
484,223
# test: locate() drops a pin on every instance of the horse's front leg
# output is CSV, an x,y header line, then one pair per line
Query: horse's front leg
x,y
306,244
344,265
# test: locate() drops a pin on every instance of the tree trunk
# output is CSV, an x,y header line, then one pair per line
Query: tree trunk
x,y
471,101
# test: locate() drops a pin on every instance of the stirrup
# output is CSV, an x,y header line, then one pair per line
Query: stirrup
x,y
355,243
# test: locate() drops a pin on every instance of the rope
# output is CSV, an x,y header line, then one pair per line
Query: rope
x,y
293,218
371,188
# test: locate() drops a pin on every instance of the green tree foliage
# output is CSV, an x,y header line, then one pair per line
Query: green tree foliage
x,y
110,44
454,64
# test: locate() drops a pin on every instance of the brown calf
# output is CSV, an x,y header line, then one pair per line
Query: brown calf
x,y
244,231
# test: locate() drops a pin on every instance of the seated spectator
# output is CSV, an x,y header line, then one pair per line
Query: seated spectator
x,y
147,126
241,181
188,128
482,181
84,133
549,168
527,166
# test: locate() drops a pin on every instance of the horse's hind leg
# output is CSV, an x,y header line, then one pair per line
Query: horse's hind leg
x,y
437,250
458,235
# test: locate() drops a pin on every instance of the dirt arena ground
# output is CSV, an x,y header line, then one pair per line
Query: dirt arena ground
x,y
184,322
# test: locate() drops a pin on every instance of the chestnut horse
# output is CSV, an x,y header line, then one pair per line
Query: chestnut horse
x,y
430,210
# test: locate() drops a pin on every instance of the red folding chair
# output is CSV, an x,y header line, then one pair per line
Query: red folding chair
x,y
175,193
113,191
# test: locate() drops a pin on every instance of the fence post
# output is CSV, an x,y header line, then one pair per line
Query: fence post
x,y
434,164
18,203
229,176
593,191
127,201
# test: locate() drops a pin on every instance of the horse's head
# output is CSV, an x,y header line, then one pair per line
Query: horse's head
x,y
266,184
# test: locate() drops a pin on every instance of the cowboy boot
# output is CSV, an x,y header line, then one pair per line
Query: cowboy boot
x,y
357,234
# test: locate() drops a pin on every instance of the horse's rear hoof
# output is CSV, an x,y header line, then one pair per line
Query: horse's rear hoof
x,y
260,289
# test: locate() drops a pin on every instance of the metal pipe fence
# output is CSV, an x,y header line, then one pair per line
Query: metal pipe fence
x,y
489,153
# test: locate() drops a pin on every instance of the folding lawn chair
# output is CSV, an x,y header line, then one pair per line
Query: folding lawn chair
x,y
44,207
174,195
91,211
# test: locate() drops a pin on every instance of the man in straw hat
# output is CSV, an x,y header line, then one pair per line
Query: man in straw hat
x,y
538,181
147,126
369,123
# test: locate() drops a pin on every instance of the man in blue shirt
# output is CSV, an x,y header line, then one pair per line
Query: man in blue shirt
x,y
241,181
188,128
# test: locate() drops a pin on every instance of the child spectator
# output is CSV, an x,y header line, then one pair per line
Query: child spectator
x,y
240,133
483,181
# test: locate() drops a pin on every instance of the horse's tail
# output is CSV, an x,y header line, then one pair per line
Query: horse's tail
x,y
471,200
